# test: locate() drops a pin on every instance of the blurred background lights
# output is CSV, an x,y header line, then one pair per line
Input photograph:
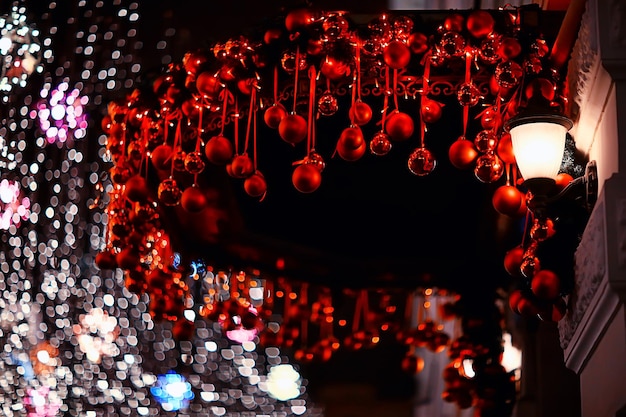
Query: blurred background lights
x,y
19,49
13,207
283,382
172,391
42,402
61,114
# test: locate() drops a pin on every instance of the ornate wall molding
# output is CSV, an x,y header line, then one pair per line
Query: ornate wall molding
x,y
584,61
589,268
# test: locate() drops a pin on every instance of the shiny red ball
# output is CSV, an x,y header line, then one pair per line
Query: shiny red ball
x,y
546,285
161,157
193,199
292,128
397,55
274,114
219,150
480,23
462,153
360,113
399,126
255,185
242,166
513,261
430,110
507,200
306,178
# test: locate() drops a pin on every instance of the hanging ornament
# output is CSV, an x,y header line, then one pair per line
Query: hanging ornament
x,y
399,126
485,141
274,115
510,48
380,32
488,50
334,26
360,113
288,62
351,144
546,285
489,168
169,193
299,19
402,27
489,118
306,178
193,199
178,160
468,94
242,166
505,149
454,23
451,44
161,157
421,162
507,200
380,144
293,128
335,69
194,164
418,43
508,74
397,54
480,23
542,229
219,150
462,153
430,110
327,104
136,188
208,85
315,159
255,185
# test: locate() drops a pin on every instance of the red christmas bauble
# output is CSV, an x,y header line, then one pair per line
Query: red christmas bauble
x,y
462,153
480,23
399,126
351,138
255,185
504,149
555,311
527,307
208,84
351,154
192,61
563,179
242,166
161,157
219,150
292,128
454,23
271,35
418,42
546,285
507,200
334,69
430,111
489,168
397,55
274,114
509,48
540,86
298,19
513,261
489,118
360,113
306,178
136,188
193,199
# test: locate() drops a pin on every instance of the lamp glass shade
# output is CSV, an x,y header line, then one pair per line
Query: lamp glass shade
x,y
538,148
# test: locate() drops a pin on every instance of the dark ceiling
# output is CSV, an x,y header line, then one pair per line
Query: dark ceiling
x,y
372,222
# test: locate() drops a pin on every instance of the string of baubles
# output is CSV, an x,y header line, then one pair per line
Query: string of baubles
x,y
391,57
206,110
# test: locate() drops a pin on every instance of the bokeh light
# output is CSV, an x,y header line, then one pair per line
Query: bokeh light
x,y
61,114
172,391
